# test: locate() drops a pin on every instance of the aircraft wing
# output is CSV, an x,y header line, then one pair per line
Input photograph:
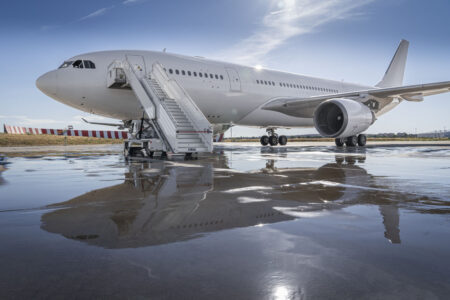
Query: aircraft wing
x,y
120,126
305,107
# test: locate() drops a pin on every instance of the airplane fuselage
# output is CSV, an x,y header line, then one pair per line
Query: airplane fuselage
x,y
226,93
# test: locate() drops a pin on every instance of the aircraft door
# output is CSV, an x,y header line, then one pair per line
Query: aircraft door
x,y
137,62
235,81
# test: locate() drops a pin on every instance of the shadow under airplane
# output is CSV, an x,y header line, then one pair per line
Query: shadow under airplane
x,y
164,202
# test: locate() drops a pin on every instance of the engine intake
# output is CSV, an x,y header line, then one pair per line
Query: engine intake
x,y
339,118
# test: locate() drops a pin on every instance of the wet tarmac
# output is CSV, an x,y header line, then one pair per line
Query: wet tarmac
x,y
244,223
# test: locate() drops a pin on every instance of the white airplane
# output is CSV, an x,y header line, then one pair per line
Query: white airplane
x,y
229,94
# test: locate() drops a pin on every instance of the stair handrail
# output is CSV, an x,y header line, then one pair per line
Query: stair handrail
x,y
168,131
194,114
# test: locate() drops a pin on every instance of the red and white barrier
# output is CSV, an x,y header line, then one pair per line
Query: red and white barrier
x,y
106,134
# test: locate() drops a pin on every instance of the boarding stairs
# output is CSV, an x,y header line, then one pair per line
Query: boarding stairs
x,y
179,124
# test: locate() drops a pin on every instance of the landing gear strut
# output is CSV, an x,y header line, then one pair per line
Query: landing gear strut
x,y
273,139
352,141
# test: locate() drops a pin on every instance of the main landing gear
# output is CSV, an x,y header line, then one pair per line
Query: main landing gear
x,y
352,141
273,139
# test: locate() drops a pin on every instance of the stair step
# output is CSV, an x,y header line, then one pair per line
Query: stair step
x,y
196,145
182,142
180,118
185,128
184,136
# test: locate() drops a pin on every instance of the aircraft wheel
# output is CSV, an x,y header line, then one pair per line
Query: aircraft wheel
x,y
362,140
339,142
282,140
264,140
351,141
273,140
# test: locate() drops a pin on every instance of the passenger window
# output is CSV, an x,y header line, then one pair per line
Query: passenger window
x,y
78,64
200,74
273,83
257,81
265,82
170,71
221,77
281,84
211,76
189,73
177,72
183,73
195,74
217,76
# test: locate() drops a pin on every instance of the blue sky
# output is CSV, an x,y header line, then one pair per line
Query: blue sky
x,y
337,39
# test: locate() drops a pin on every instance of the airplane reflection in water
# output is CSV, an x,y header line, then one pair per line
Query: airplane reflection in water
x,y
166,202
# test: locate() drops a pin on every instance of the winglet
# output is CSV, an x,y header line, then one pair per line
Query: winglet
x,y
396,70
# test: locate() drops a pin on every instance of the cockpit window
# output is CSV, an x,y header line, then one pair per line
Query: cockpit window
x,y
78,64
65,64
89,64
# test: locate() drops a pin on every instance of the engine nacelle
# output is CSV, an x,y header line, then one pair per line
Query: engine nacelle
x,y
340,118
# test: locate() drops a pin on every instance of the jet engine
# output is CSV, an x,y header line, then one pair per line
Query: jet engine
x,y
341,118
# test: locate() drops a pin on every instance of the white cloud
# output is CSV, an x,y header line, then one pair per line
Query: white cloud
x,y
287,19
126,2
97,13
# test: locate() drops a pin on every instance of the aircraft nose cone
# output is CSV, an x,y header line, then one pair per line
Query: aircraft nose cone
x,y
47,83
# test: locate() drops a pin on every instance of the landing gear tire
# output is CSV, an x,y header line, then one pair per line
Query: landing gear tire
x,y
339,142
273,140
282,140
351,141
264,140
362,140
